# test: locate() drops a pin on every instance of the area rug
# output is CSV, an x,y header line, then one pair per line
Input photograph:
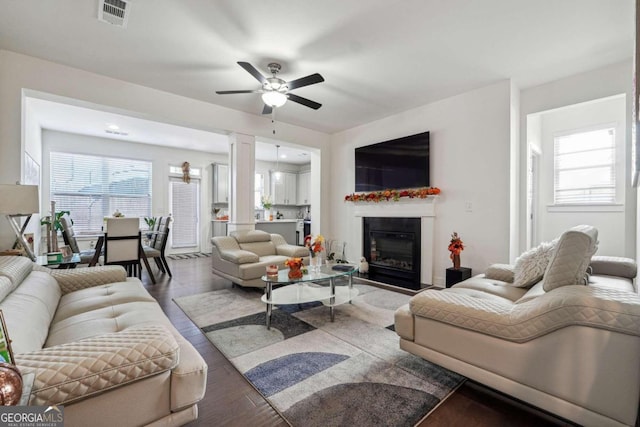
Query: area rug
x,y
189,256
321,373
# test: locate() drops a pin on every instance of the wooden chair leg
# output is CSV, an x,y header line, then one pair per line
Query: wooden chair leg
x,y
159,264
166,264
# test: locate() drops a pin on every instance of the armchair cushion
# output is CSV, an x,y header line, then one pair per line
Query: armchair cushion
x,y
239,256
251,236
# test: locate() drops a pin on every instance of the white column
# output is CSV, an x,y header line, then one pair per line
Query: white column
x,y
242,165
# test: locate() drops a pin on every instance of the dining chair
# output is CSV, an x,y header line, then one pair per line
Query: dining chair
x,y
69,237
158,245
122,243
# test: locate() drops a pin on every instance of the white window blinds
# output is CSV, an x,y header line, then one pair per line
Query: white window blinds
x,y
184,207
93,187
584,167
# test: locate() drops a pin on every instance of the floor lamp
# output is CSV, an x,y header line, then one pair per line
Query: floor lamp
x,y
18,201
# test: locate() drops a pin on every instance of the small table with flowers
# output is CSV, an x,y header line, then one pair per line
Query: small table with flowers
x,y
305,289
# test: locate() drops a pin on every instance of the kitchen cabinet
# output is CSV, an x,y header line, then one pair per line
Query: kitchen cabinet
x,y
284,227
219,228
284,189
304,188
220,183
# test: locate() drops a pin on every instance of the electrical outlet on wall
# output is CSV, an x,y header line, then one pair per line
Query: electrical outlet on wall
x,y
468,206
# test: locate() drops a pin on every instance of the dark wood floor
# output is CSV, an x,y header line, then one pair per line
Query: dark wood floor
x,y
231,401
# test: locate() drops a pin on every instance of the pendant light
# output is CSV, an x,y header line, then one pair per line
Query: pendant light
x,y
277,172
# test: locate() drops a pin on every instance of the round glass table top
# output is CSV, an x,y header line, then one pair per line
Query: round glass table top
x,y
326,272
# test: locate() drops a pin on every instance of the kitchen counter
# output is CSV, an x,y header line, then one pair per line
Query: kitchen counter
x,y
260,221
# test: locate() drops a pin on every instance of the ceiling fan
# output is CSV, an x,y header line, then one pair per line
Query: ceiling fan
x,y
275,91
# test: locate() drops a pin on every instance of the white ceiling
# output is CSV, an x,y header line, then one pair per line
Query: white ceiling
x,y
378,57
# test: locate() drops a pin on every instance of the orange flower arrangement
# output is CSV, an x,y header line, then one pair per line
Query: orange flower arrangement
x,y
455,246
294,265
395,195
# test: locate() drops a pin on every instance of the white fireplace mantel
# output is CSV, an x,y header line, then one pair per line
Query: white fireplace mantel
x,y
409,208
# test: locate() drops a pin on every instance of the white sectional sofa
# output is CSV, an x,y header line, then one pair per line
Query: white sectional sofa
x,y
573,349
100,345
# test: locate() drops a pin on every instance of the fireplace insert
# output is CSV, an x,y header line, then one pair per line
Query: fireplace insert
x,y
392,248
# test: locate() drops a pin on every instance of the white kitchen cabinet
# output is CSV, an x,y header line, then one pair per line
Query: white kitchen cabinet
x,y
220,183
284,189
304,188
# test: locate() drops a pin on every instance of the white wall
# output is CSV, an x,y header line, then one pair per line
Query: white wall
x,y
470,151
611,225
21,74
597,84
160,157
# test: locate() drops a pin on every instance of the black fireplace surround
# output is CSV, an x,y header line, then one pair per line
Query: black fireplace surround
x,y
392,249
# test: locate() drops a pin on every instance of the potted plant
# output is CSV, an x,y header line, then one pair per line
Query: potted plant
x,y
267,203
151,223
55,225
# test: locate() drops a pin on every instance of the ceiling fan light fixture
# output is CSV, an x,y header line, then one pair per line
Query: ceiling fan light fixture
x,y
274,99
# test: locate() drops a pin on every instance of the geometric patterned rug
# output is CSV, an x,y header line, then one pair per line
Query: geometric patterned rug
x,y
321,373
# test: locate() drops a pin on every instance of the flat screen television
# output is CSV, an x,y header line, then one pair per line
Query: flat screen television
x,y
395,164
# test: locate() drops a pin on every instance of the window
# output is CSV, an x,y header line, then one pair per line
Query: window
x,y
258,190
93,187
585,167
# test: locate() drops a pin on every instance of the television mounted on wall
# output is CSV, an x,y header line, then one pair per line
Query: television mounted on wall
x,y
395,164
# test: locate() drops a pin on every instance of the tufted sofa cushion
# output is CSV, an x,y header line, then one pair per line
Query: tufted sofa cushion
x,y
571,257
502,272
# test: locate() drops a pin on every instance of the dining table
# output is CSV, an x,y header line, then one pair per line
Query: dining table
x,y
143,256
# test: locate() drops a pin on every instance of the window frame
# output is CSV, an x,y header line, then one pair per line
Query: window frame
x,y
87,231
616,164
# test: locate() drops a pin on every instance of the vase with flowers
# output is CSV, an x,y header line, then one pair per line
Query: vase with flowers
x,y
295,265
316,248
455,247
267,203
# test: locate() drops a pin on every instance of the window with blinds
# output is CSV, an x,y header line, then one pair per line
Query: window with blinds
x,y
585,167
93,187
185,202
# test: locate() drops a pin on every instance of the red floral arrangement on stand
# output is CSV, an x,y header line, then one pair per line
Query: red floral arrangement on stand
x,y
455,247
395,195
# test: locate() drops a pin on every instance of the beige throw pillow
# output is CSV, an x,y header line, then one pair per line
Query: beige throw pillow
x,y
569,262
531,265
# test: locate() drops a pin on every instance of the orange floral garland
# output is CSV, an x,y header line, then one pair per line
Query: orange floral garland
x,y
395,195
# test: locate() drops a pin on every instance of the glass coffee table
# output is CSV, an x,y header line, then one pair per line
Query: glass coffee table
x,y
304,289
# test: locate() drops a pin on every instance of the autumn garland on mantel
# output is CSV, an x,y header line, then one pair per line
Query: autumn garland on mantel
x,y
395,195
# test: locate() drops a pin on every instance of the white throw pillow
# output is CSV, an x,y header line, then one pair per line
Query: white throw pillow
x,y
531,265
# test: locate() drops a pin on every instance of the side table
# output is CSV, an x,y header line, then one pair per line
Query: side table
x,y
457,275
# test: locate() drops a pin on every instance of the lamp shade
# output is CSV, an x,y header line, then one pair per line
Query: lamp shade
x,y
274,98
19,199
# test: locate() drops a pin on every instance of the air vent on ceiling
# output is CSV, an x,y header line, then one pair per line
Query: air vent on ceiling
x,y
116,132
115,12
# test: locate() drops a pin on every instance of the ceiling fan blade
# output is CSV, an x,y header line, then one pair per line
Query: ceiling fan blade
x,y
304,101
267,109
252,70
230,92
305,81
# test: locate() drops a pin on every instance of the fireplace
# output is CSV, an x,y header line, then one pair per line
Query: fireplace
x,y
392,248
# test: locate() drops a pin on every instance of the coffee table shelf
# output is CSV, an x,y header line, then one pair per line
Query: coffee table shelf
x,y
306,289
